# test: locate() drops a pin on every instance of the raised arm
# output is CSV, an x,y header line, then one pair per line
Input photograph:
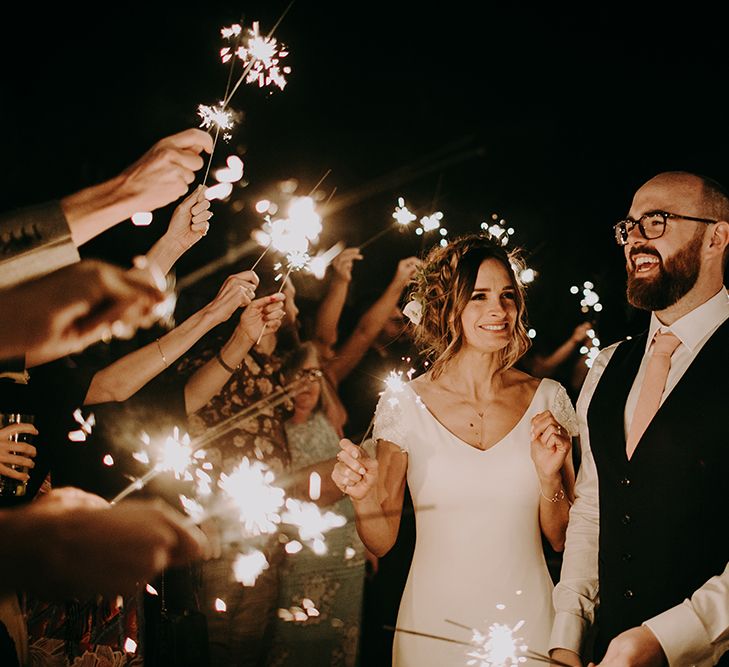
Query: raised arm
x,y
209,379
544,366
331,306
159,177
377,488
126,376
371,323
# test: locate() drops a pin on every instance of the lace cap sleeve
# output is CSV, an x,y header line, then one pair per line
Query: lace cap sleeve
x,y
564,412
390,423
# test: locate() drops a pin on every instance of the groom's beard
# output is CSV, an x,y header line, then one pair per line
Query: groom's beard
x,y
675,277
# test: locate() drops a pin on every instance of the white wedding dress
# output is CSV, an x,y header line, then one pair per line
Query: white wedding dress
x,y
478,557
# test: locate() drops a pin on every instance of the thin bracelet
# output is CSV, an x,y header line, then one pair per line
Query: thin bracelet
x,y
224,365
162,354
559,495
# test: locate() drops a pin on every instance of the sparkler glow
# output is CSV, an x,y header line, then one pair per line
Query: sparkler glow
x,y
248,566
175,455
429,222
217,116
403,217
402,214
499,647
311,522
255,500
261,56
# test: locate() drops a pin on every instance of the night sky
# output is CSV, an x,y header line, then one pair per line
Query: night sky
x,y
546,118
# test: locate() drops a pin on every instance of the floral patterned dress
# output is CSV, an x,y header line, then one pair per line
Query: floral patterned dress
x,y
239,636
333,583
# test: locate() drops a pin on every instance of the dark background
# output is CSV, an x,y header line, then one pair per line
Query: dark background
x,y
546,117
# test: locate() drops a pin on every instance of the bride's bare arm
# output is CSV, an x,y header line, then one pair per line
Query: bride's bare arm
x,y
376,487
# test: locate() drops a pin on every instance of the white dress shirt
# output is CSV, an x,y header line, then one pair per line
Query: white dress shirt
x,y
695,632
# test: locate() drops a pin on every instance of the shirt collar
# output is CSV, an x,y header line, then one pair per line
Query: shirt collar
x,y
693,327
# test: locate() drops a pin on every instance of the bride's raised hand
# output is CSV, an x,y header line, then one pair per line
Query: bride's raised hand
x,y
355,472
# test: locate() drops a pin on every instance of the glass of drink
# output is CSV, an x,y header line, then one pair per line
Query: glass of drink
x,y
8,485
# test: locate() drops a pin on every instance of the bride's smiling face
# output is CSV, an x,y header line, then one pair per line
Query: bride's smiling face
x,y
489,317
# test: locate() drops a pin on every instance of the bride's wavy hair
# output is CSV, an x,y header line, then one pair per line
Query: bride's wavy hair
x,y
444,286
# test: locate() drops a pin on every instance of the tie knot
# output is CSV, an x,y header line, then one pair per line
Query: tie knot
x,y
665,343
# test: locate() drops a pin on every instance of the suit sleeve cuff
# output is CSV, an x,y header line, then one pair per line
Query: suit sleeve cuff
x,y
568,632
682,636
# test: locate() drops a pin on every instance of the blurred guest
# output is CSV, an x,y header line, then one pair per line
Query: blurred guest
x,y
332,581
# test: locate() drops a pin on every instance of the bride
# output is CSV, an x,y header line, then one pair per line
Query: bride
x,y
485,450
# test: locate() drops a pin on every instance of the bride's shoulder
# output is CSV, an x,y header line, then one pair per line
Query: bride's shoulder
x,y
521,380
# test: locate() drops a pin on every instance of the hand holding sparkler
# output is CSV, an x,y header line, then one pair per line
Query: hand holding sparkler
x,y
190,220
343,263
266,312
356,473
238,291
69,546
159,177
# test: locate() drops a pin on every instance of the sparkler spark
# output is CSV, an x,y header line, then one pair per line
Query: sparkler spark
x,y
261,56
401,214
311,522
248,566
175,455
217,116
255,500
499,647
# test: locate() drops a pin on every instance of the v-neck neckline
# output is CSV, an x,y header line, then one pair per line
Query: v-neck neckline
x,y
468,444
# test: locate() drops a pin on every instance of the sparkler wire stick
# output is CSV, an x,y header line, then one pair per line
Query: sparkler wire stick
x,y
375,237
217,127
280,289
221,428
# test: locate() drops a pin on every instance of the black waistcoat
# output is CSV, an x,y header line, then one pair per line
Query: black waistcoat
x,y
663,514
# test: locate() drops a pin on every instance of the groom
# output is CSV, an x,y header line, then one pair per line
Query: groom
x,y
645,566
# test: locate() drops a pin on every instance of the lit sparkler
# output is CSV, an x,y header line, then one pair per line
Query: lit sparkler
x,y
403,217
311,522
176,455
247,567
217,116
262,58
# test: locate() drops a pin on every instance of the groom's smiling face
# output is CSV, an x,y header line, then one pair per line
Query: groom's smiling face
x,y
661,271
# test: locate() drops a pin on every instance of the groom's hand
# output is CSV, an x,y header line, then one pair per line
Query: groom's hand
x,y
637,647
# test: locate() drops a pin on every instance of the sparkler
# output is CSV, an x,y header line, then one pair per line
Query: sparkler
x,y
176,455
261,57
403,217
528,653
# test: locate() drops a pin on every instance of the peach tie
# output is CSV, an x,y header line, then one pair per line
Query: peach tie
x,y
654,382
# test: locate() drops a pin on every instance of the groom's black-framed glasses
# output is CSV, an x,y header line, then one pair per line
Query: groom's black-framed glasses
x,y
651,225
